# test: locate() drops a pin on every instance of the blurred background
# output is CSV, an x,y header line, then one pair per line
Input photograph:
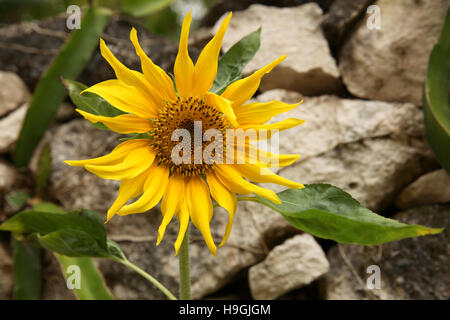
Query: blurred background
x,y
361,73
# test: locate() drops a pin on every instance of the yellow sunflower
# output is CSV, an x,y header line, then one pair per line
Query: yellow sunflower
x,y
155,105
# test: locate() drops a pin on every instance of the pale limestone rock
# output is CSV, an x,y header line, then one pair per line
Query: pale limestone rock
x,y
433,187
291,265
390,64
295,31
13,92
10,126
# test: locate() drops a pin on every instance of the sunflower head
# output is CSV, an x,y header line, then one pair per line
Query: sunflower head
x,y
182,120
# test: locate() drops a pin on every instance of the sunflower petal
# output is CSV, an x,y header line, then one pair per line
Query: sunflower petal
x,y
154,188
242,90
264,175
271,160
130,77
133,164
171,202
156,76
254,155
116,156
234,181
259,113
206,66
265,131
184,67
225,198
124,123
223,105
125,98
129,189
183,216
200,208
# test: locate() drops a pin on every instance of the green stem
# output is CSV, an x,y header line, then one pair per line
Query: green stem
x,y
155,282
185,278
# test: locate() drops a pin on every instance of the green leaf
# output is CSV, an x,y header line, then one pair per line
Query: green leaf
x,y
50,92
77,234
44,169
329,212
436,99
17,199
234,60
27,271
92,284
141,8
90,102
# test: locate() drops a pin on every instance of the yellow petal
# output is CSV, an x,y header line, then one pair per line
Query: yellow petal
x,y
264,175
129,189
223,105
259,113
125,98
124,123
225,198
242,90
200,208
234,181
154,187
171,202
183,216
206,66
131,77
272,160
254,155
116,156
184,68
133,164
265,131
156,76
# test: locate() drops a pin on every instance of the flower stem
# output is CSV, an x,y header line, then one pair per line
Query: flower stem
x,y
185,278
155,282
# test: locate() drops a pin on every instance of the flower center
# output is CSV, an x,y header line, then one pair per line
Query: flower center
x,y
179,132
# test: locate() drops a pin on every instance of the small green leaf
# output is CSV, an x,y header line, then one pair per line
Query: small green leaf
x,y
50,92
27,271
329,212
436,99
17,199
115,251
234,60
44,169
90,102
141,8
92,284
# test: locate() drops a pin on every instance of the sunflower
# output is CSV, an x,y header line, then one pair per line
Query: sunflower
x,y
155,105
